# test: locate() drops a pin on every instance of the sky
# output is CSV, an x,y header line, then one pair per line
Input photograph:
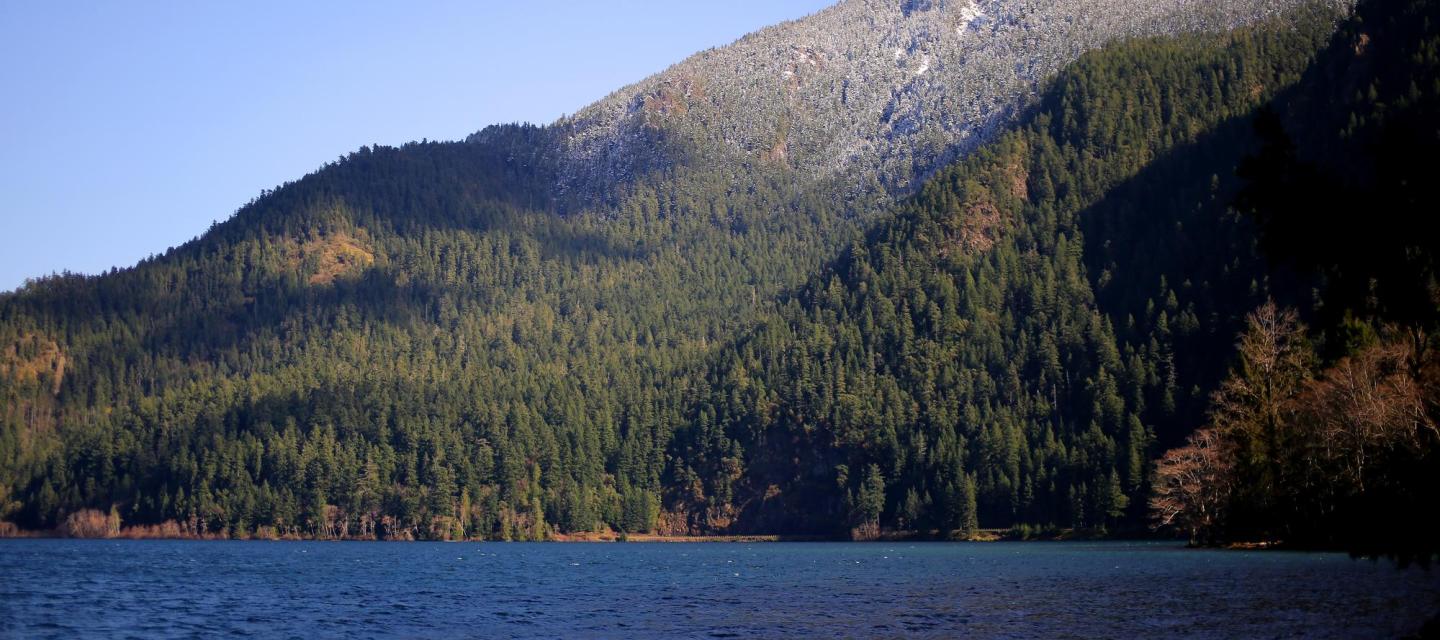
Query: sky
x,y
127,128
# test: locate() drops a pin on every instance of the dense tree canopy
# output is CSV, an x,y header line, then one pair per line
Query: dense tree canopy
x,y
1327,435
420,342
1025,328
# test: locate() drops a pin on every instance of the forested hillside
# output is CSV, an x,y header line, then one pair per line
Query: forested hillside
x,y
1326,432
404,332
432,341
1012,344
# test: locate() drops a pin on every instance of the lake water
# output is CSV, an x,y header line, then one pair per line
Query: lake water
x,y
64,588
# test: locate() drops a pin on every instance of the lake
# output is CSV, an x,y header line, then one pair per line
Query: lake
x,y
109,588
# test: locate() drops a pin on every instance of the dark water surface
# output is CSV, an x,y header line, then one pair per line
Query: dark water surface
x,y
106,588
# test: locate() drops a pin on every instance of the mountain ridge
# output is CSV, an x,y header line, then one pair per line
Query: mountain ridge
x,y
411,343
864,84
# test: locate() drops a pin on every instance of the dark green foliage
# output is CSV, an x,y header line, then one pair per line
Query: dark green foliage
x,y
1344,187
354,352
1342,448
1016,337
871,502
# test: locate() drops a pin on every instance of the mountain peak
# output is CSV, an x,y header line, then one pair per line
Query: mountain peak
x,y
901,86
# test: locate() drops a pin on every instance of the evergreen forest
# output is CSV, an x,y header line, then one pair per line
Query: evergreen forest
x,y
1192,288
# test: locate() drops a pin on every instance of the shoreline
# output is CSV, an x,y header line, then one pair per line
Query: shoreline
x,y
153,532
616,538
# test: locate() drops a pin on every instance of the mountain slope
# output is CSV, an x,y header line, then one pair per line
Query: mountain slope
x,y
412,343
889,90
1006,350
1326,431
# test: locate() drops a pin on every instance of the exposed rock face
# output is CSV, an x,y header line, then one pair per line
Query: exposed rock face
x,y
891,87
326,257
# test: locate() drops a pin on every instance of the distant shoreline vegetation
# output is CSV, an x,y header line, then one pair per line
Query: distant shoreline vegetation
x,y
92,524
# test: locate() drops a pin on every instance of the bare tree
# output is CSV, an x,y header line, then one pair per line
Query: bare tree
x,y
1367,406
1192,486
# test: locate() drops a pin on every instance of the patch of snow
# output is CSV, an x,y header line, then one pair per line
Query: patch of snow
x,y
924,65
969,14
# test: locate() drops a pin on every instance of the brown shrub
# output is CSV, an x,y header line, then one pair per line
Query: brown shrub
x,y
91,523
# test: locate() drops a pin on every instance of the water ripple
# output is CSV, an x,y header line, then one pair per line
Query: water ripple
x,y
148,589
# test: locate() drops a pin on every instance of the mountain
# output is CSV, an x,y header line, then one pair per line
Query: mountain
x,y
752,293
882,93
1010,346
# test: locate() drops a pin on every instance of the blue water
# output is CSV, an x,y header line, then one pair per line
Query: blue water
x,y
103,588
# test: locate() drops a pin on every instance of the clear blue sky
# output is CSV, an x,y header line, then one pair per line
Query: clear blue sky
x,y
128,127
